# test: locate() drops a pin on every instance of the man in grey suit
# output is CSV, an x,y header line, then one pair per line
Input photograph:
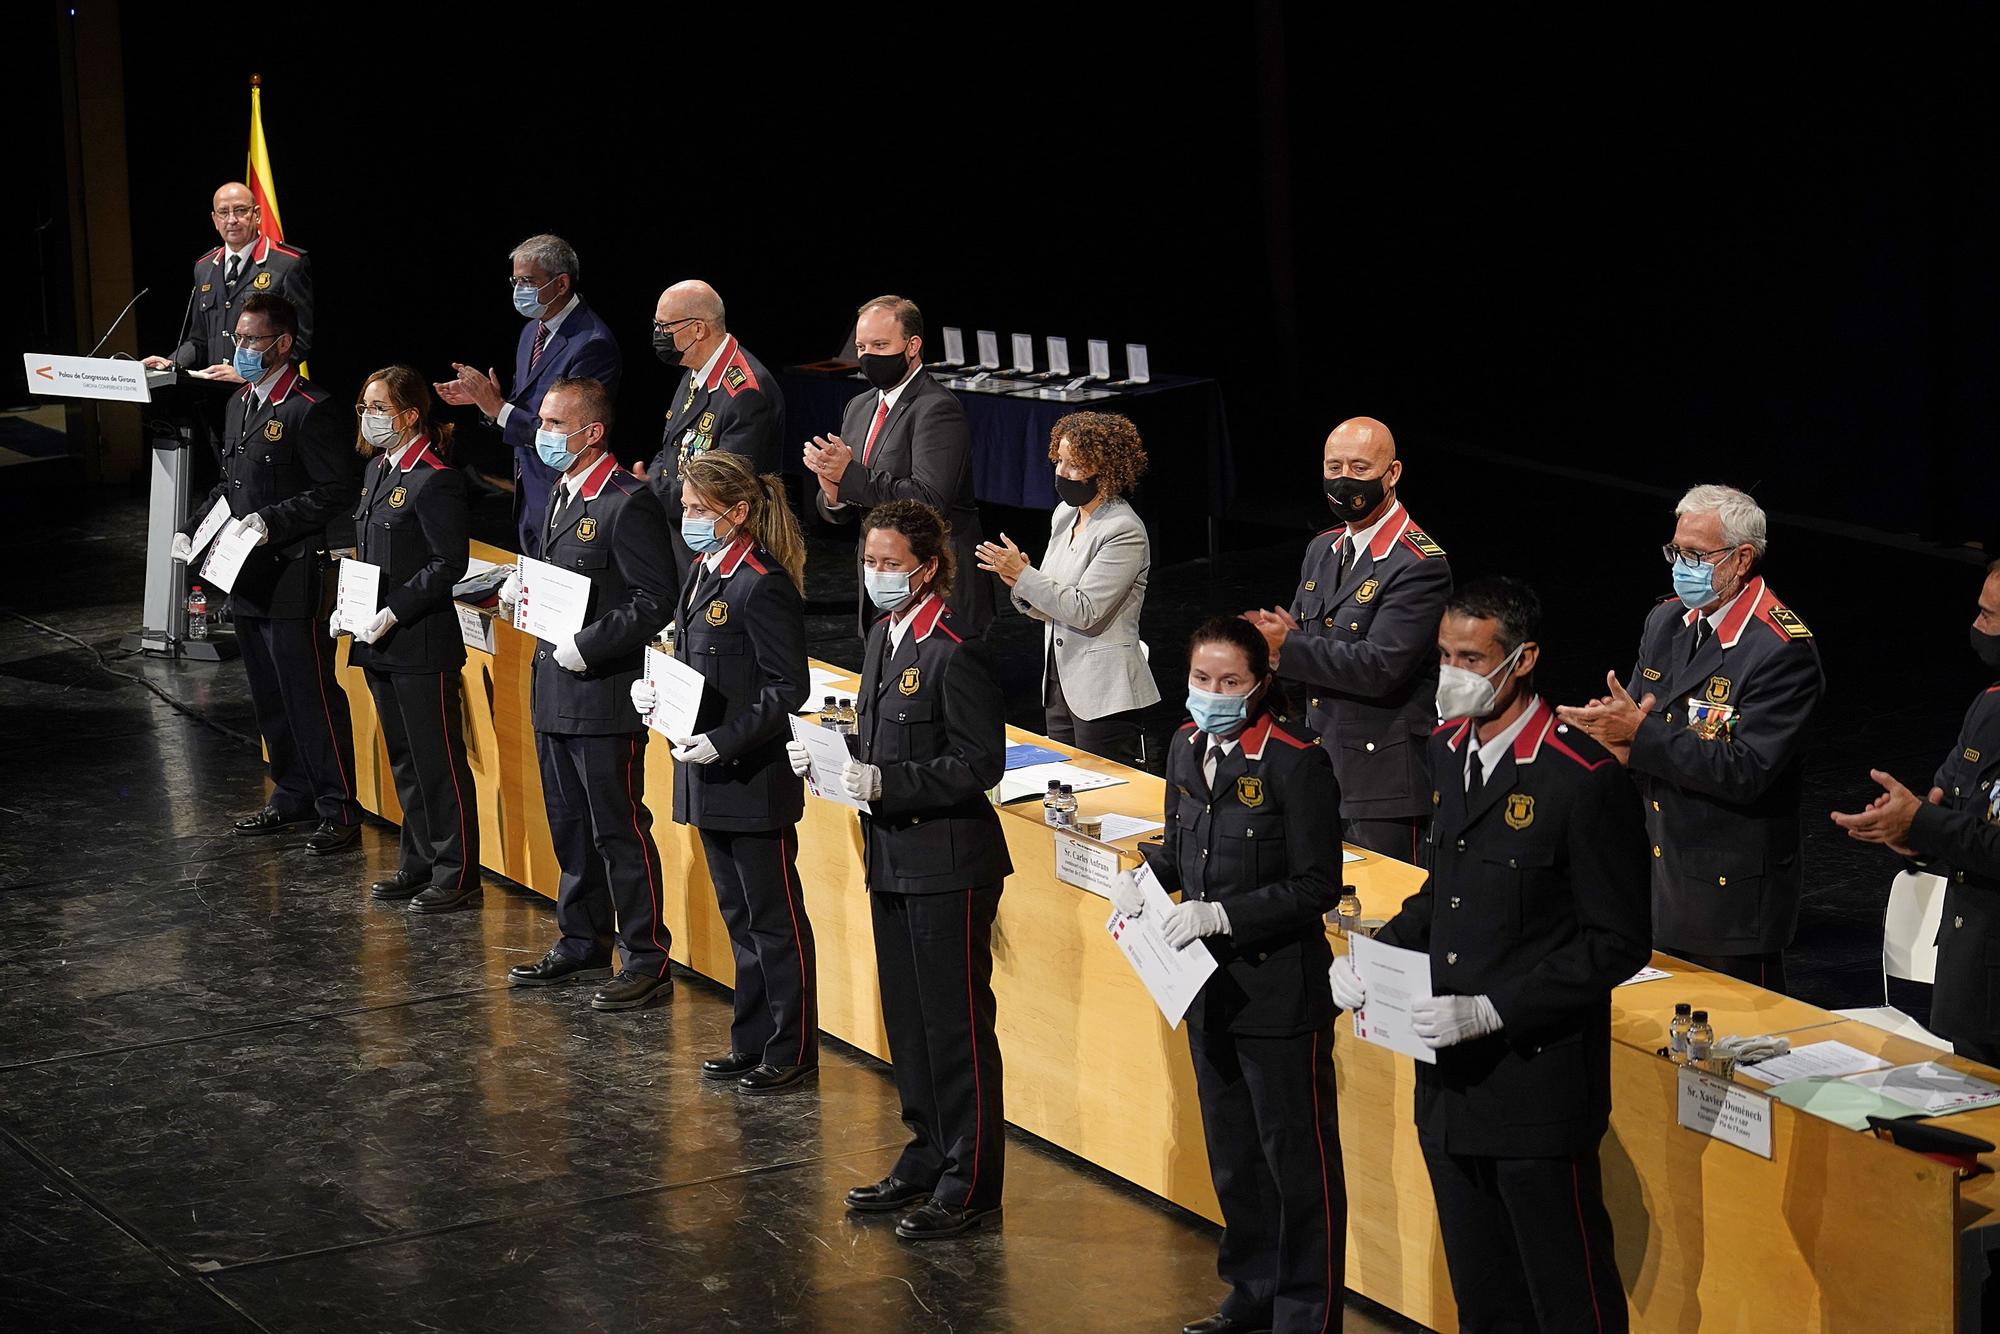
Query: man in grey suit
x,y
914,445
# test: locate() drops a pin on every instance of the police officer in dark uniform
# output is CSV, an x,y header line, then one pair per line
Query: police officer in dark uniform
x,y
725,400
1249,807
1956,834
742,625
605,524
1712,724
288,468
933,740
1535,909
1360,640
411,523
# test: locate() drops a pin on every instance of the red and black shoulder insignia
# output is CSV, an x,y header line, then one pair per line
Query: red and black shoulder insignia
x,y
626,483
1785,621
738,378
292,251
1420,541
750,559
1282,735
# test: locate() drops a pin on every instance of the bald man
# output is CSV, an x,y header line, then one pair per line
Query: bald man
x,y
1360,639
726,400
245,263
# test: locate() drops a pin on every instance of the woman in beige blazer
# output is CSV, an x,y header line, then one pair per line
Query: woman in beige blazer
x,y
1090,588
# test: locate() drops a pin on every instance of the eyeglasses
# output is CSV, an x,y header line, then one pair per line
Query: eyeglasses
x,y
364,410
669,326
518,283
1694,560
252,340
235,214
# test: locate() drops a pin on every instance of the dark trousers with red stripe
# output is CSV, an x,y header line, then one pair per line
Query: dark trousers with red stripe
x,y
1269,1115
423,724
1402,839
757,887
595,790
1527,1241
934,966
302,714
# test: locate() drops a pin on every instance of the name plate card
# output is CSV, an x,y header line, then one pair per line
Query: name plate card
x,y
1725,1111
1084,864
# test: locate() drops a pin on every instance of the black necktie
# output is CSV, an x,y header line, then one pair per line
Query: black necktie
x,y
1702,630
1346,558
235,270
556,510
1475,773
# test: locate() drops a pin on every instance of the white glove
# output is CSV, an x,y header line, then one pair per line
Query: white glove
x,y
567,657
1192,919
694,749
644,697
183,549
334,629
1349,992
1445,1021
255,522
384,622
863,782
510,591
801,759
1125,895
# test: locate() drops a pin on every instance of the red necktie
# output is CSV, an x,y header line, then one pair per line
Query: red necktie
x,y
881,415
541,341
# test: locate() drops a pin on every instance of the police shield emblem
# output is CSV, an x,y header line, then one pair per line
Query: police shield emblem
x,y
1717,690
262,282
1519,811
274,430
1250,791
397,497
586,529
718,612
910,681
1367,590
705,424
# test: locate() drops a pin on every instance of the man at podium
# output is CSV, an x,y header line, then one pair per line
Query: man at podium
x,y
245,264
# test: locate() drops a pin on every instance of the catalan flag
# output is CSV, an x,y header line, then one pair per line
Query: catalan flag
x,y
258,174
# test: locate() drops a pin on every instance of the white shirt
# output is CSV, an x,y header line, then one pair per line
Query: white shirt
x,y
243,254
401,452
1359,542
708,367
899,623
1211,756
1497,748
554,322
261,391
1714,618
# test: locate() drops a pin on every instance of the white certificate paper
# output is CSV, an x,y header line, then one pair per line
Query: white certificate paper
x,y
553,601
827,750
678,695
1396,979
360,585
225,559
211,524
1173,977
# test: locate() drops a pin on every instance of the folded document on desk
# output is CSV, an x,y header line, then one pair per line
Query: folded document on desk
x,y
1034,780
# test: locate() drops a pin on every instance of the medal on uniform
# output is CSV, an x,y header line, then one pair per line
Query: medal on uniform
x,y
1711,721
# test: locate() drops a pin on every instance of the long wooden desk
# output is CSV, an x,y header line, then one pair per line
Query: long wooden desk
x,y
1836,1231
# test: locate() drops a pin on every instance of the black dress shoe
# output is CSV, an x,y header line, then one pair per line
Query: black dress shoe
x,y
270,820
554,967
331,837
630,990
886,1196
728,1067
776,1078
402,885
1222,1324
932,1220
443,898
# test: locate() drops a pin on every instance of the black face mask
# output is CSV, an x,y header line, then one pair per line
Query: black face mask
x,y
1352,498
664,349
1987,649
885,370
1073,492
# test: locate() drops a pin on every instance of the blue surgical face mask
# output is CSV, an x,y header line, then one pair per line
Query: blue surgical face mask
x,y
887,589
1217,715
552,447
700,536
528,301
1696,586
249,364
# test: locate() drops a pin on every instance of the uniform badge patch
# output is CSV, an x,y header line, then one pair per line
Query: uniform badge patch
x,y
1788,621
274,430
1434,796
398,497
718,612
586,529
262,282
1311,584
705,424
208,287
1971,755
1717,690
734,377
1250,791
1649,673
1422,542
1519,812
1367,591
910,681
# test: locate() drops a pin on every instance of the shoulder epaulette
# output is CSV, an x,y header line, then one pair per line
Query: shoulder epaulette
x,y
284,249
626,483
1419,541
1785,621
1286,737
750,559
1562,747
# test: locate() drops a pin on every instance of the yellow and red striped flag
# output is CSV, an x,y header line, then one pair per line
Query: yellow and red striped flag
x,y
258,174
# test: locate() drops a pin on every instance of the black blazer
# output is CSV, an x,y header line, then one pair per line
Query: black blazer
x,y
616,534
289,458
738,409
1722,806
1537,901
933,719
213,306
1265,844
743,626
1959,839
924,452
411,522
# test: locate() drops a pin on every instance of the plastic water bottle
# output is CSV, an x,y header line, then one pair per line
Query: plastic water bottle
x,y
1677,1034
1347,913
847,722
829,714
1049,800
197,627
1065,807
1700,1038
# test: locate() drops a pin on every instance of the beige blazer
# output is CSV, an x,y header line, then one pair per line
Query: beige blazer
x,y
1089,588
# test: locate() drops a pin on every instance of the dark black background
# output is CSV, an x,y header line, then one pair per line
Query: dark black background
x,y
1663,251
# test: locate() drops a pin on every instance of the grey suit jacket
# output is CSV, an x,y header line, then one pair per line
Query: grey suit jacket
x,y
1090,588
923,452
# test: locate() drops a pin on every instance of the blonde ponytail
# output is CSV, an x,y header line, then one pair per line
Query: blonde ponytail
x,y
726,480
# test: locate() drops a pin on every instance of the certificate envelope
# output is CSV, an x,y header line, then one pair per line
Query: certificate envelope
x,y
553,601
677,697
1396,979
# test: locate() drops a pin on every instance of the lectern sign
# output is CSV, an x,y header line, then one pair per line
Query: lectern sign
x,y
108,378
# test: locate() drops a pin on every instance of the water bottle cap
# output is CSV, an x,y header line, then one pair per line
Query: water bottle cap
x,y
829,700
846,703
1681,1008
1701,1016
1066,791
1055,785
